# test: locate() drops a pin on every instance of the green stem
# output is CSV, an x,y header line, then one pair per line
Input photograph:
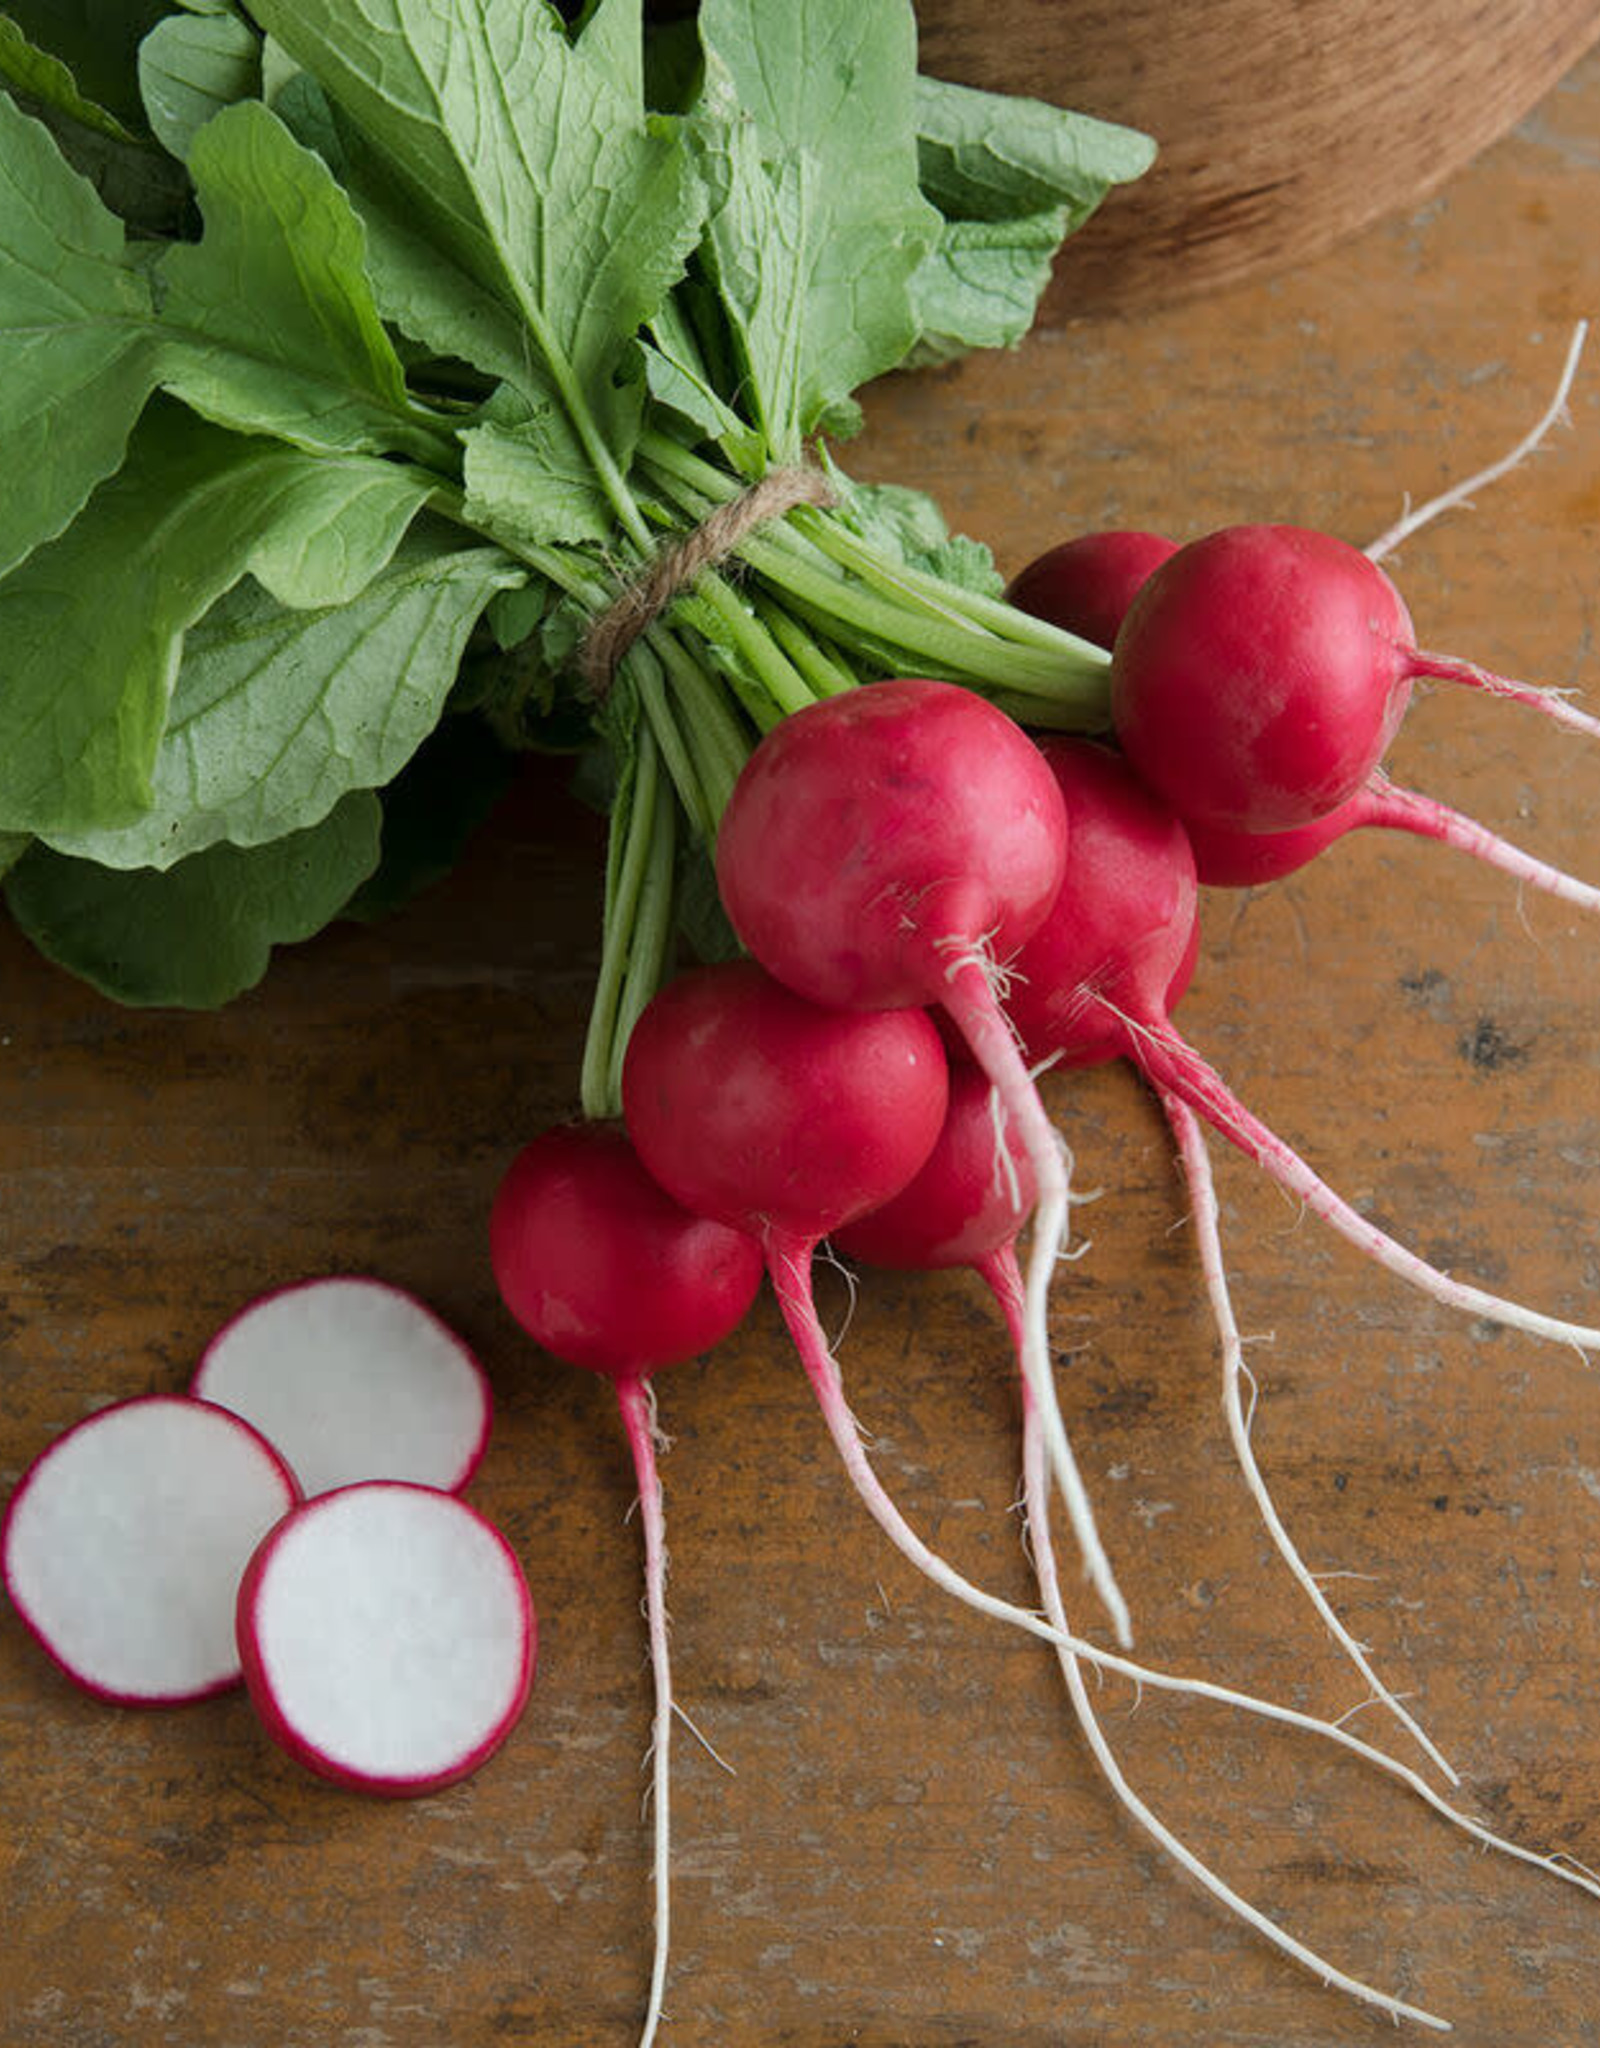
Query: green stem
x,y
892,614
714,608
629,852
670,458
570,392
811,576
703,801
1048,713
644,670
761,675
942,600
556,565
826,675
721,746
904,641
652,939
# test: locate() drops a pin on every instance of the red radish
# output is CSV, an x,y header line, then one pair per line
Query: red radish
x,y
1091,985
1262,672
387,1636
1088,585
966,1204
792,1121
604,1270
352,1379
1085,585
890,848
960,1054
1234,860
772,1114
125,1540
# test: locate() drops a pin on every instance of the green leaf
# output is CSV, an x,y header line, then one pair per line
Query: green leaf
x,y
99,40
271,316
996,156
278,68
818,222
419,286
1013,178
277,714
12,847
146,189
527,476
431,810
980,288
45,78
105,608
77,361
756,252
704,924
524,157
204,931
190,66
679,378
513,614
432,299
907,526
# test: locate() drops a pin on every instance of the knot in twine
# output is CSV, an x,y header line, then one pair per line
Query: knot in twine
x,y
642,600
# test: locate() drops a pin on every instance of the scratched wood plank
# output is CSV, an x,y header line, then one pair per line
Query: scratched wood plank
x,y
912,1849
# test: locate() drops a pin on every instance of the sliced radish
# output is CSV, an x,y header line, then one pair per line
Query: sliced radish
x,y
352,1379
125,1541
387,1636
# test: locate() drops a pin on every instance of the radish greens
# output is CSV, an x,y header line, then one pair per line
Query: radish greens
x,y
453,319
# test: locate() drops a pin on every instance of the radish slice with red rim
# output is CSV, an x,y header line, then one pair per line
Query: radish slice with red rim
x,y
388,1637
125,1541
352,1379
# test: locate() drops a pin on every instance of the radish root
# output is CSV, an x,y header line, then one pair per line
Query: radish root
x,y
1202,1195
1461,494
788,1267
1386,804
1001,1273
1037,1499
1172,1066
1449,668
969,997
636,1399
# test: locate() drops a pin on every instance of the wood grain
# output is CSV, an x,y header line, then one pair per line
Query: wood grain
x,y
914,1850
1282,129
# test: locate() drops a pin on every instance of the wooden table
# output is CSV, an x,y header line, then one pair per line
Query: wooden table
x,y
909,1847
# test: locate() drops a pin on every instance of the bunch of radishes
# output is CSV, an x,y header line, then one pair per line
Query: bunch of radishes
x,y
294,1520
935,909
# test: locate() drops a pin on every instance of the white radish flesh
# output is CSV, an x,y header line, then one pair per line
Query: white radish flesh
x,y
125,1541
388,1637
352,1379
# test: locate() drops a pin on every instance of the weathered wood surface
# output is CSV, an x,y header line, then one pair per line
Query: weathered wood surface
x,y
913,1850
